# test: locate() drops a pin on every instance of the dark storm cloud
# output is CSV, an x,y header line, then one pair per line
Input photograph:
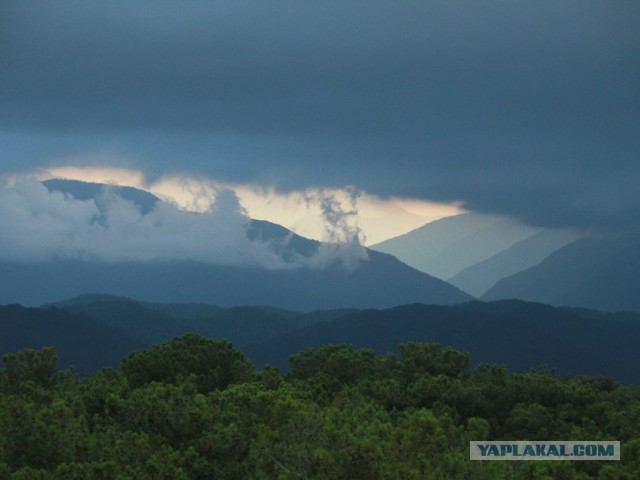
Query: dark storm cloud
x,y
527,108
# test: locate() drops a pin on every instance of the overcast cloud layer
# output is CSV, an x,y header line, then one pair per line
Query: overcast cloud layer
x,y
527,108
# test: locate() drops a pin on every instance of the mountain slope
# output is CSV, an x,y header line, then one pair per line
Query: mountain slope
x,y
380,282
478,278
99,331
519,334
445,247
152,323
327,276
145,201
78,340
95,331
599,272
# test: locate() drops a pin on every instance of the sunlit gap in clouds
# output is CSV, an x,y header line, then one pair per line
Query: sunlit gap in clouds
x,y
371,218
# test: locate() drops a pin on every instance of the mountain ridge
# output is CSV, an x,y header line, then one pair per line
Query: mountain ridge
x,y
338,278
480,277
449,245
522,335
598,272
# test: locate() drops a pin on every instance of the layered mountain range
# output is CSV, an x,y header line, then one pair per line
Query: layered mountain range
x,y
253,262
499,258
274,293
66,238
599,271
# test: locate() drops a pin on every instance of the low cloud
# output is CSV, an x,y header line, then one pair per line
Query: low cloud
x,y
342,222
37,224
306,212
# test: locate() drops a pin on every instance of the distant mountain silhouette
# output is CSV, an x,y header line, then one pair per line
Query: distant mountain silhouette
x,y
84,191
380,282
78,340
599,272
445,247
95,331
519,334
479,278
377,282
152,323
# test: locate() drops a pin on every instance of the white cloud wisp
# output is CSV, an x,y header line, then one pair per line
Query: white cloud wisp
x,y
37,224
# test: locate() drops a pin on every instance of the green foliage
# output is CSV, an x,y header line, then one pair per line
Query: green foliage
x,y
419,358
30,366
214,364
195,408
341,363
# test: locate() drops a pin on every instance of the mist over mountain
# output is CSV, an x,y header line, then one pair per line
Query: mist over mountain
x,y
479,278
244,127
63,239
600,271
445,247
87,191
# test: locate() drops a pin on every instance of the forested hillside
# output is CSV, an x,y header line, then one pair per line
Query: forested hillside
x,y
195,408
522,335
95,331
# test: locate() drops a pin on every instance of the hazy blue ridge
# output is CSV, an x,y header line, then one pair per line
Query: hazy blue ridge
x,y
446,246
598,272
480,277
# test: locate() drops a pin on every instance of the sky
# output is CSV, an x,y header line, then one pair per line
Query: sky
x,y
410,109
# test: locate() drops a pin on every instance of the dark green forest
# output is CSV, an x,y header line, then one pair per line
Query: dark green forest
x,y
197,408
